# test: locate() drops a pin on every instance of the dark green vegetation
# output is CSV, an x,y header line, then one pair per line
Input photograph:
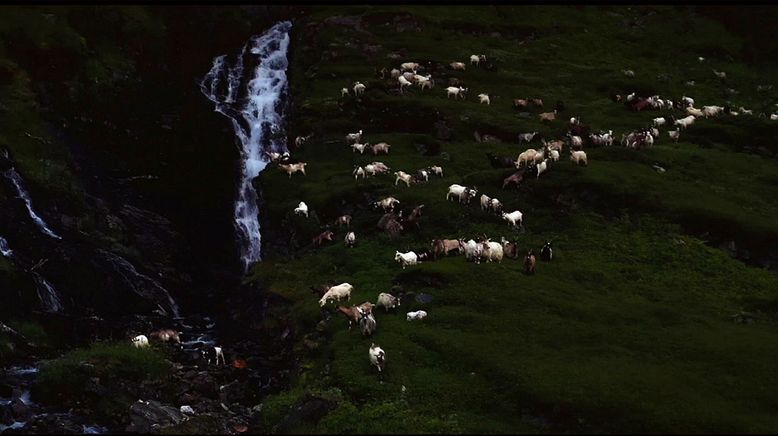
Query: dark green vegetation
x,y
629,328
90,375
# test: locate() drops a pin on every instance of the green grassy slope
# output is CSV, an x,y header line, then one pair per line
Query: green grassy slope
x,y
629,328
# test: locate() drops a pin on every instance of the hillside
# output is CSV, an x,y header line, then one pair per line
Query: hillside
x,y
629,328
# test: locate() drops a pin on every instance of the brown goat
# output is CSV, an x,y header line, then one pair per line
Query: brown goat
x,y
323,236
516,178
352,313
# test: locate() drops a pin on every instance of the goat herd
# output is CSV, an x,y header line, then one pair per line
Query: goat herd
x,y
537,161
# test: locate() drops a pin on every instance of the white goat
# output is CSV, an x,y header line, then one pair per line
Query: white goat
x,y
359,88
140,341
350,239
417,315
302,209
337,293
405,259
514,218
456,92
387,301
485,202
484,98
354,137
405,177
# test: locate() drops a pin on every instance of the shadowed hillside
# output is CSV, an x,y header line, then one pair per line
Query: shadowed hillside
x,y
630,327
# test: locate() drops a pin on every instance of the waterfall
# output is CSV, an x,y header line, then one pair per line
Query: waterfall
x,y
16,180
254,104
141,284
47,294
5,249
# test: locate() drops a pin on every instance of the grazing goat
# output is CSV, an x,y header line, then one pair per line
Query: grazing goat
x,y
350,239
359,171
437,170
461,192
337,293
404,82
578,157
542,167
409,66
476,59
387,203
456,92
485,201
293,168
359,88
367,324
685,122
554,155
215,354
472,250
405,177
519,103
323,236
492,251
495,205
484,98
546,253
514,218
660,121
344,220
417,315
359,147
527,137
443,246
405,259
387,301
516,178
457,66
378,359
674,134
140,341
547,116
526,156
529,263
628,73
354,137
343,92
302,209
510,249
381,147
720,74
353,314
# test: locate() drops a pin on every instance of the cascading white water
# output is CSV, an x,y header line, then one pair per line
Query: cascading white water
x,y
254,104
47,294
16,180
5,249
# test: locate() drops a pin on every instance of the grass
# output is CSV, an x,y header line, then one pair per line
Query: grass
x,y
68,378
629,328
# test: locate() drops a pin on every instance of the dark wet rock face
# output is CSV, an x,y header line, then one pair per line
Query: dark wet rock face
x,y
147,416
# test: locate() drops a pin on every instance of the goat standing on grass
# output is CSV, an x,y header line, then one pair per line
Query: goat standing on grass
x,y
378,359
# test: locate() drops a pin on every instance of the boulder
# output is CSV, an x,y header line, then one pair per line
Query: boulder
x,y
147,416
